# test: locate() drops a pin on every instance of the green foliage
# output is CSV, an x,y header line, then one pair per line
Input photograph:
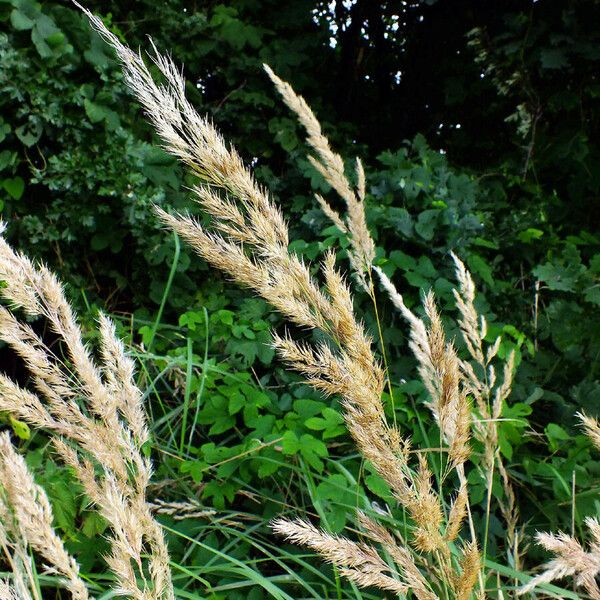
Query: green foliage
x,y
76,176
514,191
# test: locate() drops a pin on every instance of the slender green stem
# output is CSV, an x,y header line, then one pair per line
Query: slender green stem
x,y
188,391
383,352
204,375
488,511
443,587
163,302
338,583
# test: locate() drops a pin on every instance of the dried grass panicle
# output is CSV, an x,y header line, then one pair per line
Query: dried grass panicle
x,y
458,513
359,562
17,557
489,393
470,565
9,592
450,382
93,410
16,589
571,559
399,551
27,506
255,253
331,166
181,511
591,428
438,367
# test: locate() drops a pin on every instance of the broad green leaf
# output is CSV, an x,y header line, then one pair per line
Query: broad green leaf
x,y
21,21
290,444
20,429
15,186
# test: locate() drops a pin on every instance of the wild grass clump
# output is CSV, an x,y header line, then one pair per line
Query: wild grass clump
x,y
92,408
93,411
248,240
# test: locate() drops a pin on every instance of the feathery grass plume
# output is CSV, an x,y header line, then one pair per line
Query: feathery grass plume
x,y
359,562
591,428
249,242
277,275
458,512
438,367
489,395
32,513
451,411
331,166
470,566
571,559
16,556
94,412
442,371
180,511
8,592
